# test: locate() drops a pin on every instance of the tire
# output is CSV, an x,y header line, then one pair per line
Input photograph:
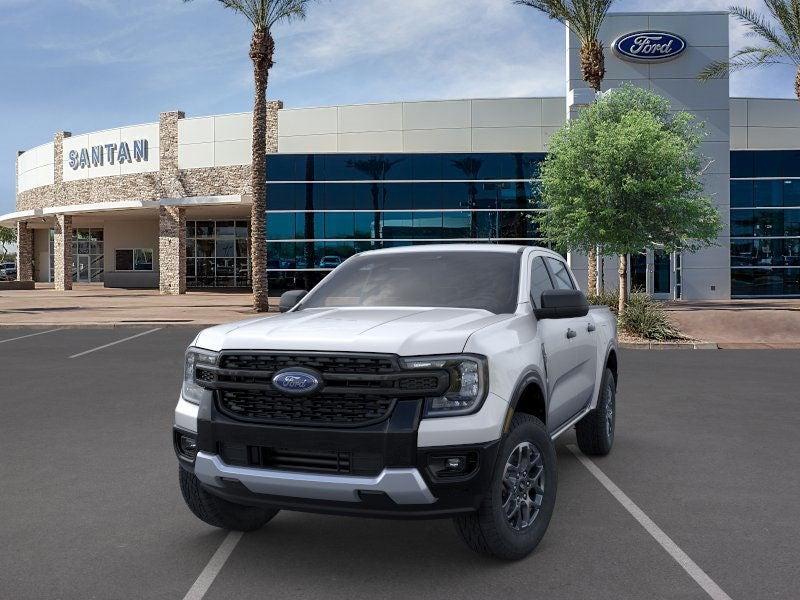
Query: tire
x,y
595,431
218,512
488,531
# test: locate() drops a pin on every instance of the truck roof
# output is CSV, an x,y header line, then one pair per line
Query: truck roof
x,y
507,248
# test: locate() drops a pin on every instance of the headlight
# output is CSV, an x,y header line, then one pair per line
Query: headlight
x,y
191,390
469,382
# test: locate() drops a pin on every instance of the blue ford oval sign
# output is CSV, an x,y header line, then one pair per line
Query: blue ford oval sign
x,y
649,46
296,382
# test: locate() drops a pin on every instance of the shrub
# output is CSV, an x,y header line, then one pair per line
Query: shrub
x,y
606,298
646,318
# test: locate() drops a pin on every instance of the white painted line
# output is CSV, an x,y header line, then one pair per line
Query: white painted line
x,y
115,343
214,566
22,337
695,572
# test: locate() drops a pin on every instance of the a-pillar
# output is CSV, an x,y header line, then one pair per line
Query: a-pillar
x,y
62,253
24,252
171,250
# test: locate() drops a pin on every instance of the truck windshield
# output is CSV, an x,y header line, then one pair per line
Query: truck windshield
x,y
484,280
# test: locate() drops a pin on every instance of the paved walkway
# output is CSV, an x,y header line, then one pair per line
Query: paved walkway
x,y
741,323
91,304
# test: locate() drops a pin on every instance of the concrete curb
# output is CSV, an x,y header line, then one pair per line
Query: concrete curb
x,y
670,345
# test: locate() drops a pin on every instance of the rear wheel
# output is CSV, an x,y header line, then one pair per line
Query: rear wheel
x,y
516,510
595,431
218,512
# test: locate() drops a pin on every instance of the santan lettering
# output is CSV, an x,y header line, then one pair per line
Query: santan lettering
x,y
645,44
97,156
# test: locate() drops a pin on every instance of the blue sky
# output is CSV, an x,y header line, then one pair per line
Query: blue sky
x,y
84,65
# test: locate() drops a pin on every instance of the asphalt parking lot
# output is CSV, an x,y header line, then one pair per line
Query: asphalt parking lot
x,y
707,447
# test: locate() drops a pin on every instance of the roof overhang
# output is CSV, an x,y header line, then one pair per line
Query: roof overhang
x,y
13,218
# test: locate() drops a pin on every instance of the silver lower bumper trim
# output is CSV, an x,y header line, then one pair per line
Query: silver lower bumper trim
x,y
403,486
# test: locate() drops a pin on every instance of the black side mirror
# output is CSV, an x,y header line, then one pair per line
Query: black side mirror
x,y
562,304
290,299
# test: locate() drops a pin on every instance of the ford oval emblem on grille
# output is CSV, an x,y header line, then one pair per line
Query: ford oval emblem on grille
x,y
295,381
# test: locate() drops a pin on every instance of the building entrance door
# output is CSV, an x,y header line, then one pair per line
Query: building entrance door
x,y
83,269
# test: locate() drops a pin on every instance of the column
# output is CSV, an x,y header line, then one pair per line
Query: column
x,y
24,252
62,250
171,250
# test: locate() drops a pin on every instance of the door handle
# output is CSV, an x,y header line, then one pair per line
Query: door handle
x,y
571,333
590,327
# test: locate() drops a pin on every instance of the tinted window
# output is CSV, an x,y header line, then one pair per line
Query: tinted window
x,y
540,281
561,278
483,280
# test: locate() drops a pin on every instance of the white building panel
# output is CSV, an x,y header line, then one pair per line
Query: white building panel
x,y
237,126
195,156
507,139
508,112
770,138
370,117
302,144
371,141
773,113
698,29
308,121
738,108
739,138
437,140
196,131
234,152
554,111
444,114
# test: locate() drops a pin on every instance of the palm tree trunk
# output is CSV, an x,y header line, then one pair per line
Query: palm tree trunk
x,y
593,67
797,84
623,282
261,51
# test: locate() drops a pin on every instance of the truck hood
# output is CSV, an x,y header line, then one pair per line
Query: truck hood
x,y
402,331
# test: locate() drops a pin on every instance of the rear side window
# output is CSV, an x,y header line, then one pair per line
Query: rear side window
x,y
540,281
561,278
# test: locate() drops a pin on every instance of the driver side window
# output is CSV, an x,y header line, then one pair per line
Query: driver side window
x,y
540,281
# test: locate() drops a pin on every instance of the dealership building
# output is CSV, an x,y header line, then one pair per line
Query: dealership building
x,y
167,204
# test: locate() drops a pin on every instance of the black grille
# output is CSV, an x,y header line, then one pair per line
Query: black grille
x,y
264,406
294,459
321,363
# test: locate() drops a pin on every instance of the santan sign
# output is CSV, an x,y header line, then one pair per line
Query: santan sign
x,y
97,156
649,46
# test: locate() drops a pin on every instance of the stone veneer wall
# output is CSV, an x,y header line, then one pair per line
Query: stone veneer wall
x,y
172,250
24,252
62,250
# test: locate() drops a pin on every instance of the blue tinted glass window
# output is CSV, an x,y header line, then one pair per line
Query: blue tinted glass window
x,y
526,166
791,192
398,225
365,225
768,193
311,196
765,282
339,225
742,223
456,225
280,226
340,167
366,196
426,166
339,196
426,195
768,163
282,196
513,225
464,166
791,222
281,167
742,164
455,195
309,225
427,225
741,194
396,196
790,165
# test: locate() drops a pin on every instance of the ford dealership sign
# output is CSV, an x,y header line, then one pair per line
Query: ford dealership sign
x,y
649,46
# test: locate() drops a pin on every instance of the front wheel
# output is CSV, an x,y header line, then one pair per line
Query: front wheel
x,y
218,512
516,510
595,431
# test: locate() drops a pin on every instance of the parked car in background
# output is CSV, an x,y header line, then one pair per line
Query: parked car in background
x,y
412,382
8,271
330,262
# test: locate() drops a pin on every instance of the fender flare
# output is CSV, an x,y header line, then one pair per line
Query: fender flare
x,y
529,376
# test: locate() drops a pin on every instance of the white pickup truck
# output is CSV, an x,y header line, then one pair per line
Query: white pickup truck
x,y
413,382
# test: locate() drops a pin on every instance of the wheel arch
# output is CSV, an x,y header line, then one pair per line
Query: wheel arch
x,y
529,397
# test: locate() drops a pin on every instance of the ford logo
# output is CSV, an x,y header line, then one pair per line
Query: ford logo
x,y
649,46
295,381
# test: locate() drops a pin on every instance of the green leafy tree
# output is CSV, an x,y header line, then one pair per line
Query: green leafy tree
x,y
8,236
263,15
584,19
778,40
626,174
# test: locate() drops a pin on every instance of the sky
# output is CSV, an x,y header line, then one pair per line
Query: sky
x,y
86,65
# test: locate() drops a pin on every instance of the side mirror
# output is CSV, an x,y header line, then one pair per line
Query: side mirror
x,y
290,299
562,304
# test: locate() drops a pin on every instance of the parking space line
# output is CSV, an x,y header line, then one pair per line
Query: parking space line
x,y
695,572
22,337
214,566
115,343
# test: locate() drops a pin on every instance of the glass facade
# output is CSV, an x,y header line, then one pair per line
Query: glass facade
x,y
217,254
323,208
765,223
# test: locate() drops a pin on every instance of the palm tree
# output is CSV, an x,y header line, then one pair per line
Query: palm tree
x,y
376,168
263,15
780,41
584,19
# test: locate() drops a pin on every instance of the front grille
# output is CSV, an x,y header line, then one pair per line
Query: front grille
x,y
356,390
268,407
293,459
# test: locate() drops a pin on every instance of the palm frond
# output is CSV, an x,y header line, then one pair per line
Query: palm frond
x,y
583,17
759,26
745,58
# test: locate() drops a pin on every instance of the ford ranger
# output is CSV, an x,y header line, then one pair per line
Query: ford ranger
x,y
414,382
